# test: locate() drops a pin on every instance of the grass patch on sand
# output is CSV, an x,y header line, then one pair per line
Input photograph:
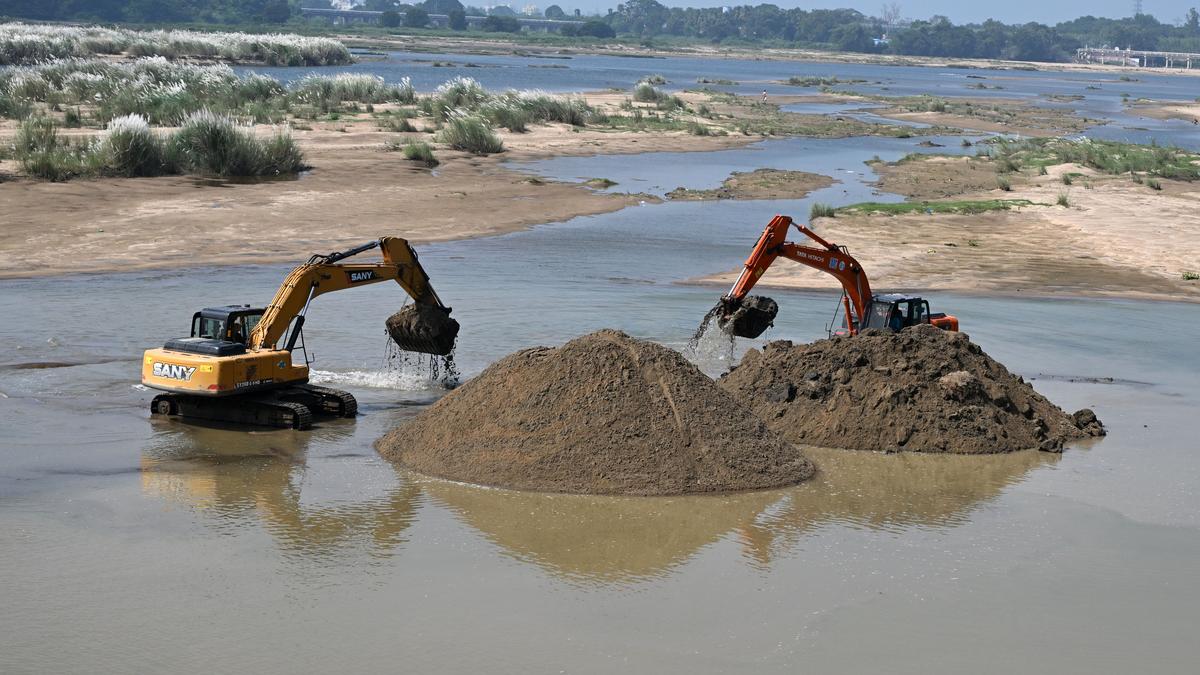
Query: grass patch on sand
x,y
958,207
471,134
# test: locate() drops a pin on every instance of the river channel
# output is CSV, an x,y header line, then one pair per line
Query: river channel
x,y
131,544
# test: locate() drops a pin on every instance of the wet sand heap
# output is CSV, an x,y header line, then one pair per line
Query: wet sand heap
x,y
603,414
922,389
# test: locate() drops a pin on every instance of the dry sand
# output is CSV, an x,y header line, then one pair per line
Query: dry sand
x,y
1117,239
356,191
759,184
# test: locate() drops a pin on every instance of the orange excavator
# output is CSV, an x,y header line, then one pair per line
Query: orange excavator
x,y
745,315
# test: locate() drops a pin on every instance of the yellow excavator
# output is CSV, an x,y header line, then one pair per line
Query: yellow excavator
x,y
233,367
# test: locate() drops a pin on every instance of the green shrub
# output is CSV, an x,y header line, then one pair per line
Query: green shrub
x,y
1190,276
1004,184
1154,184
129,148
644,92
654,79
697,129
821,211
1063,200
470,134
503,113
1067,179
420,152
216,145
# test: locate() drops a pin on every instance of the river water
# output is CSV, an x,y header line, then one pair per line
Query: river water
x,y
130,544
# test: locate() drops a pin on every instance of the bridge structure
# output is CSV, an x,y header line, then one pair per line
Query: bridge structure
x,y
349,16
1137,57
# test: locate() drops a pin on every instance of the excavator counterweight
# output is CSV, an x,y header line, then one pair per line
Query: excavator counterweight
x,y
236,365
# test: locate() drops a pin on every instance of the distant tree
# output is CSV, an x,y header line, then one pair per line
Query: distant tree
x,y
889,14
852,38
276,11
501,10
458,19
415,17
556,12
390,18
1191,23
502,24
592,28
441,6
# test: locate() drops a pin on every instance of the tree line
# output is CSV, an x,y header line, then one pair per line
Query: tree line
x,y
645,20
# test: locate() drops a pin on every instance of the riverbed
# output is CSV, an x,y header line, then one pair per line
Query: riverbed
x,y
136,544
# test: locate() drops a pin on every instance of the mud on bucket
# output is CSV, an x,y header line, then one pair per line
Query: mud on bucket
x,y
423,328
749,318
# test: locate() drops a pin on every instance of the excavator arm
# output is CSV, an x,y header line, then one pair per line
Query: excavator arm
x,y
326,274
828,258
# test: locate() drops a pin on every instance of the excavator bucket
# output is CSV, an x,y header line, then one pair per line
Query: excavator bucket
x,y
423,328
748,318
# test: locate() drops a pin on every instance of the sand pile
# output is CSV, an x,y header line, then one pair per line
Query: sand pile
x,y
922,389
603,414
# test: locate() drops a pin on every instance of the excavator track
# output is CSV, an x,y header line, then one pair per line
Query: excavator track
x,y
266,411
322,400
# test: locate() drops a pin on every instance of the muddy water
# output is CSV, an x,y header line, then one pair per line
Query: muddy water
x,y
131,544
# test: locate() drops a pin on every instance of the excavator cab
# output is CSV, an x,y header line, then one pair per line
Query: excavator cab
x,y
231,323
893,311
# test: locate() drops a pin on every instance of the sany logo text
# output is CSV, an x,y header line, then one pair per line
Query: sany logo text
x,y
174,372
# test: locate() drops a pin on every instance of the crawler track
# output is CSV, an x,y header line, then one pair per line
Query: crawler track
x,y
292,407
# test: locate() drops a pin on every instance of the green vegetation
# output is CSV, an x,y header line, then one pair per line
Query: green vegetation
x,y
470,134
205,144
960,207
420,152
1191,276
1063,200
821,211
1004,184
22,44
1110,157
813,81
1153,183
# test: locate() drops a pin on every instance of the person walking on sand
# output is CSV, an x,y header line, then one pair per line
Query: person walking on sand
x,y
764,99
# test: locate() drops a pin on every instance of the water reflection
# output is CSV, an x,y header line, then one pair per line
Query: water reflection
x,y
240,478
615,539
235,479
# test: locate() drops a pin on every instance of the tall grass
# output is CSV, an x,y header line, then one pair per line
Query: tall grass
x,y
420,152
821,211
211,144
207,144
23,44
471,134
129,148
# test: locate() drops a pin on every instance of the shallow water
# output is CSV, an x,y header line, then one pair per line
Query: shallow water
x,y
1101,92
132,544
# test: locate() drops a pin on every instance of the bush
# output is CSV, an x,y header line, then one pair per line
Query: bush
x,y
471,134
390,19
129,148
644,92
821,211
507,115
1004,184
697,129
42,155
1063,200
212,144
1154,184
420,152
1067,179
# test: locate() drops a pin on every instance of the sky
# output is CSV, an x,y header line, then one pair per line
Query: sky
x,y
959,11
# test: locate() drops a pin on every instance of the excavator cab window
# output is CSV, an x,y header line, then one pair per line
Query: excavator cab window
x,y
207,327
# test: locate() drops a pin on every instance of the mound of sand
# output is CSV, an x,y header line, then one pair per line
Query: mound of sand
x,y
603,414
922,389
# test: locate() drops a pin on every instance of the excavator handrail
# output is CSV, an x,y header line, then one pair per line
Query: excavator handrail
x,y
830,258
